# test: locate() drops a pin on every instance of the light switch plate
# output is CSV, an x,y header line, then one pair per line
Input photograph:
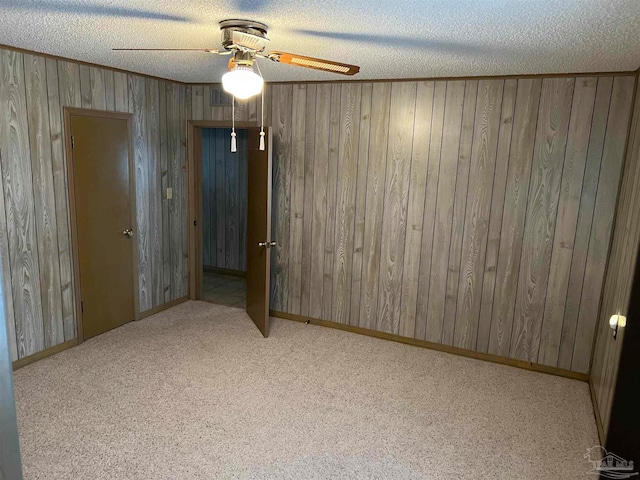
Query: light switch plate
x,y
169,193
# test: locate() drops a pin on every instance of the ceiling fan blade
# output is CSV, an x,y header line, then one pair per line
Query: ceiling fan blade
x,y
206,50
315,63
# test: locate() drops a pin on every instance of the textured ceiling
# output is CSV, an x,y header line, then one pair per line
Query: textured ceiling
x,y
388,39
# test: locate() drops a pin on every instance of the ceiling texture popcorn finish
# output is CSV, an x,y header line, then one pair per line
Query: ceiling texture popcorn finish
x,y
391,39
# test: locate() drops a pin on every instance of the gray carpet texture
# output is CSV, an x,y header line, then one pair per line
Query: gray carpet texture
x,y
196,392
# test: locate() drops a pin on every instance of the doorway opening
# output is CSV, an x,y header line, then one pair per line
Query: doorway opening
x,y
224,217
256,223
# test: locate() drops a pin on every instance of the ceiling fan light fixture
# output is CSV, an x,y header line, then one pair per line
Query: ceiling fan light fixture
x,y
242,82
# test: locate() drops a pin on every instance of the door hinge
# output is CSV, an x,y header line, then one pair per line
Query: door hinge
x,y
73,142
82,307
195,223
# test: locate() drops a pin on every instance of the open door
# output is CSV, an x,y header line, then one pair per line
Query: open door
x,y
259,229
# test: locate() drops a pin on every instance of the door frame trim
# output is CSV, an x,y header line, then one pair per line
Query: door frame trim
x,y
194,196
73,220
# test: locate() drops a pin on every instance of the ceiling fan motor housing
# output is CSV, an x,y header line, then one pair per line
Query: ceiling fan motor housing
x,y
244,35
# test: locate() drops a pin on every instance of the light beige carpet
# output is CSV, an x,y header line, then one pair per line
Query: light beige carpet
x,y
196,392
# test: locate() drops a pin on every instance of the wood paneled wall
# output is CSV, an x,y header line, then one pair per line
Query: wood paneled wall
x,y
34,214
619,278
473,213
224,199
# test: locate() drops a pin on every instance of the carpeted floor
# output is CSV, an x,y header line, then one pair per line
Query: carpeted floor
x,y
196,392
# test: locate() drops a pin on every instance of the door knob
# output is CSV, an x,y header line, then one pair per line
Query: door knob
x,y
267,244
128,233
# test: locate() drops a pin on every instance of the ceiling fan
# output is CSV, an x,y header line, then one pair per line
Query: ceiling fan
x,y
246,41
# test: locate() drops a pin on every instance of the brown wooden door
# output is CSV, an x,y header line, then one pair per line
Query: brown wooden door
x,y
258,230
104,226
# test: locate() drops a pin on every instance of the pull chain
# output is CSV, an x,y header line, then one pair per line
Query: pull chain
x,y
262,145
234,147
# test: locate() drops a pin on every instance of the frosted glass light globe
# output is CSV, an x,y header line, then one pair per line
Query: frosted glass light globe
x,y
242,82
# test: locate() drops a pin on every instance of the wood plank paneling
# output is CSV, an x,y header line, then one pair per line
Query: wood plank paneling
x,y
281,211
396,195
346,198
360,201
296,220
446,234
321,153
429,208
459,210
44,199
330,223
19,206
154,175
443,217
495,219
544,190
374,204
619,275
567,217
309,175
208,220
232,223
483,159
415,206
513,219
585,217
137,106
35,240
608,185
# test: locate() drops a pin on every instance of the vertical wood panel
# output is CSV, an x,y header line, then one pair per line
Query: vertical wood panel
x,y
5,267
321,153
394,218
175,174
197,102
483,158
544,190
109,90
428,212
137,106
360,201
513,218
585,217
19,206
459,210
497,207
165,183
608,185
121,92
415,206
443,216
98,91
221,140
85,86
298,143
69,81
346,198
374,204
330,224
309,175
281,196
567,217
155,191
184,111
44,200
619,276
208,178
232,237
